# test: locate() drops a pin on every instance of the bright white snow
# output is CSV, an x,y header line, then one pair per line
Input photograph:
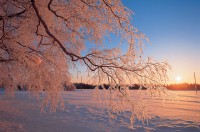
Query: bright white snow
x,y
22,113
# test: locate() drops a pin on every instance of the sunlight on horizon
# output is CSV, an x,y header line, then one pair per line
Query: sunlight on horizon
x,y
178,79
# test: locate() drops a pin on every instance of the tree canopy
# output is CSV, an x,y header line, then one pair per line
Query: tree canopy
x,y
41,40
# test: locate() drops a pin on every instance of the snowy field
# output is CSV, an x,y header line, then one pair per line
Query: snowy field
x,y
81,114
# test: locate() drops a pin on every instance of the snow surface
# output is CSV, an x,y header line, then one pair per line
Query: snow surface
x,y
82,114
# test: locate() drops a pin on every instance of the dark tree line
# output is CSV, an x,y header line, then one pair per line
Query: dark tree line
x,y
182,86
106,86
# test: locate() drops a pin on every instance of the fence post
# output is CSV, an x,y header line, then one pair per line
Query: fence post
x,y
195,85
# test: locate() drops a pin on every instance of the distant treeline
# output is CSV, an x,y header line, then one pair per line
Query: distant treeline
x,y
84,86
80,86
106,86
183,86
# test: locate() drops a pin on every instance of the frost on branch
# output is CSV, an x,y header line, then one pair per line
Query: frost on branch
x,y
42,40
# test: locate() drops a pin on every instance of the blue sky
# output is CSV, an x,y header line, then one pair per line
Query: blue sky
x,y
173,28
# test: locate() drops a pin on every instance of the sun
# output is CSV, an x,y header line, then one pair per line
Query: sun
x,y
178,79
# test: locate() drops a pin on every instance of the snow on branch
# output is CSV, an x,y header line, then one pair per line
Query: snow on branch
x,y
41,41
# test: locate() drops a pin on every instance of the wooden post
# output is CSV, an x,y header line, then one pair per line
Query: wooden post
x,y
81,84
195,85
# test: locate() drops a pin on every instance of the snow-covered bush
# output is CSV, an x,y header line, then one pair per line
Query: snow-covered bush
x,y
69,87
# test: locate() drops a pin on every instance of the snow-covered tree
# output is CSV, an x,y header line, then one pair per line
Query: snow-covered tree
x,y
41,40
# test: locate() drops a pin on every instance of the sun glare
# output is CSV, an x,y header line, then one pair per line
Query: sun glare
x,y
178,79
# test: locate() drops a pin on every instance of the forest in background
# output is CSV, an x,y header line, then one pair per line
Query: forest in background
x,y
179,86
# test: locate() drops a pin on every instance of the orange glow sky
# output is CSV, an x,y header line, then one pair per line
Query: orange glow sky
x,y
173,28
